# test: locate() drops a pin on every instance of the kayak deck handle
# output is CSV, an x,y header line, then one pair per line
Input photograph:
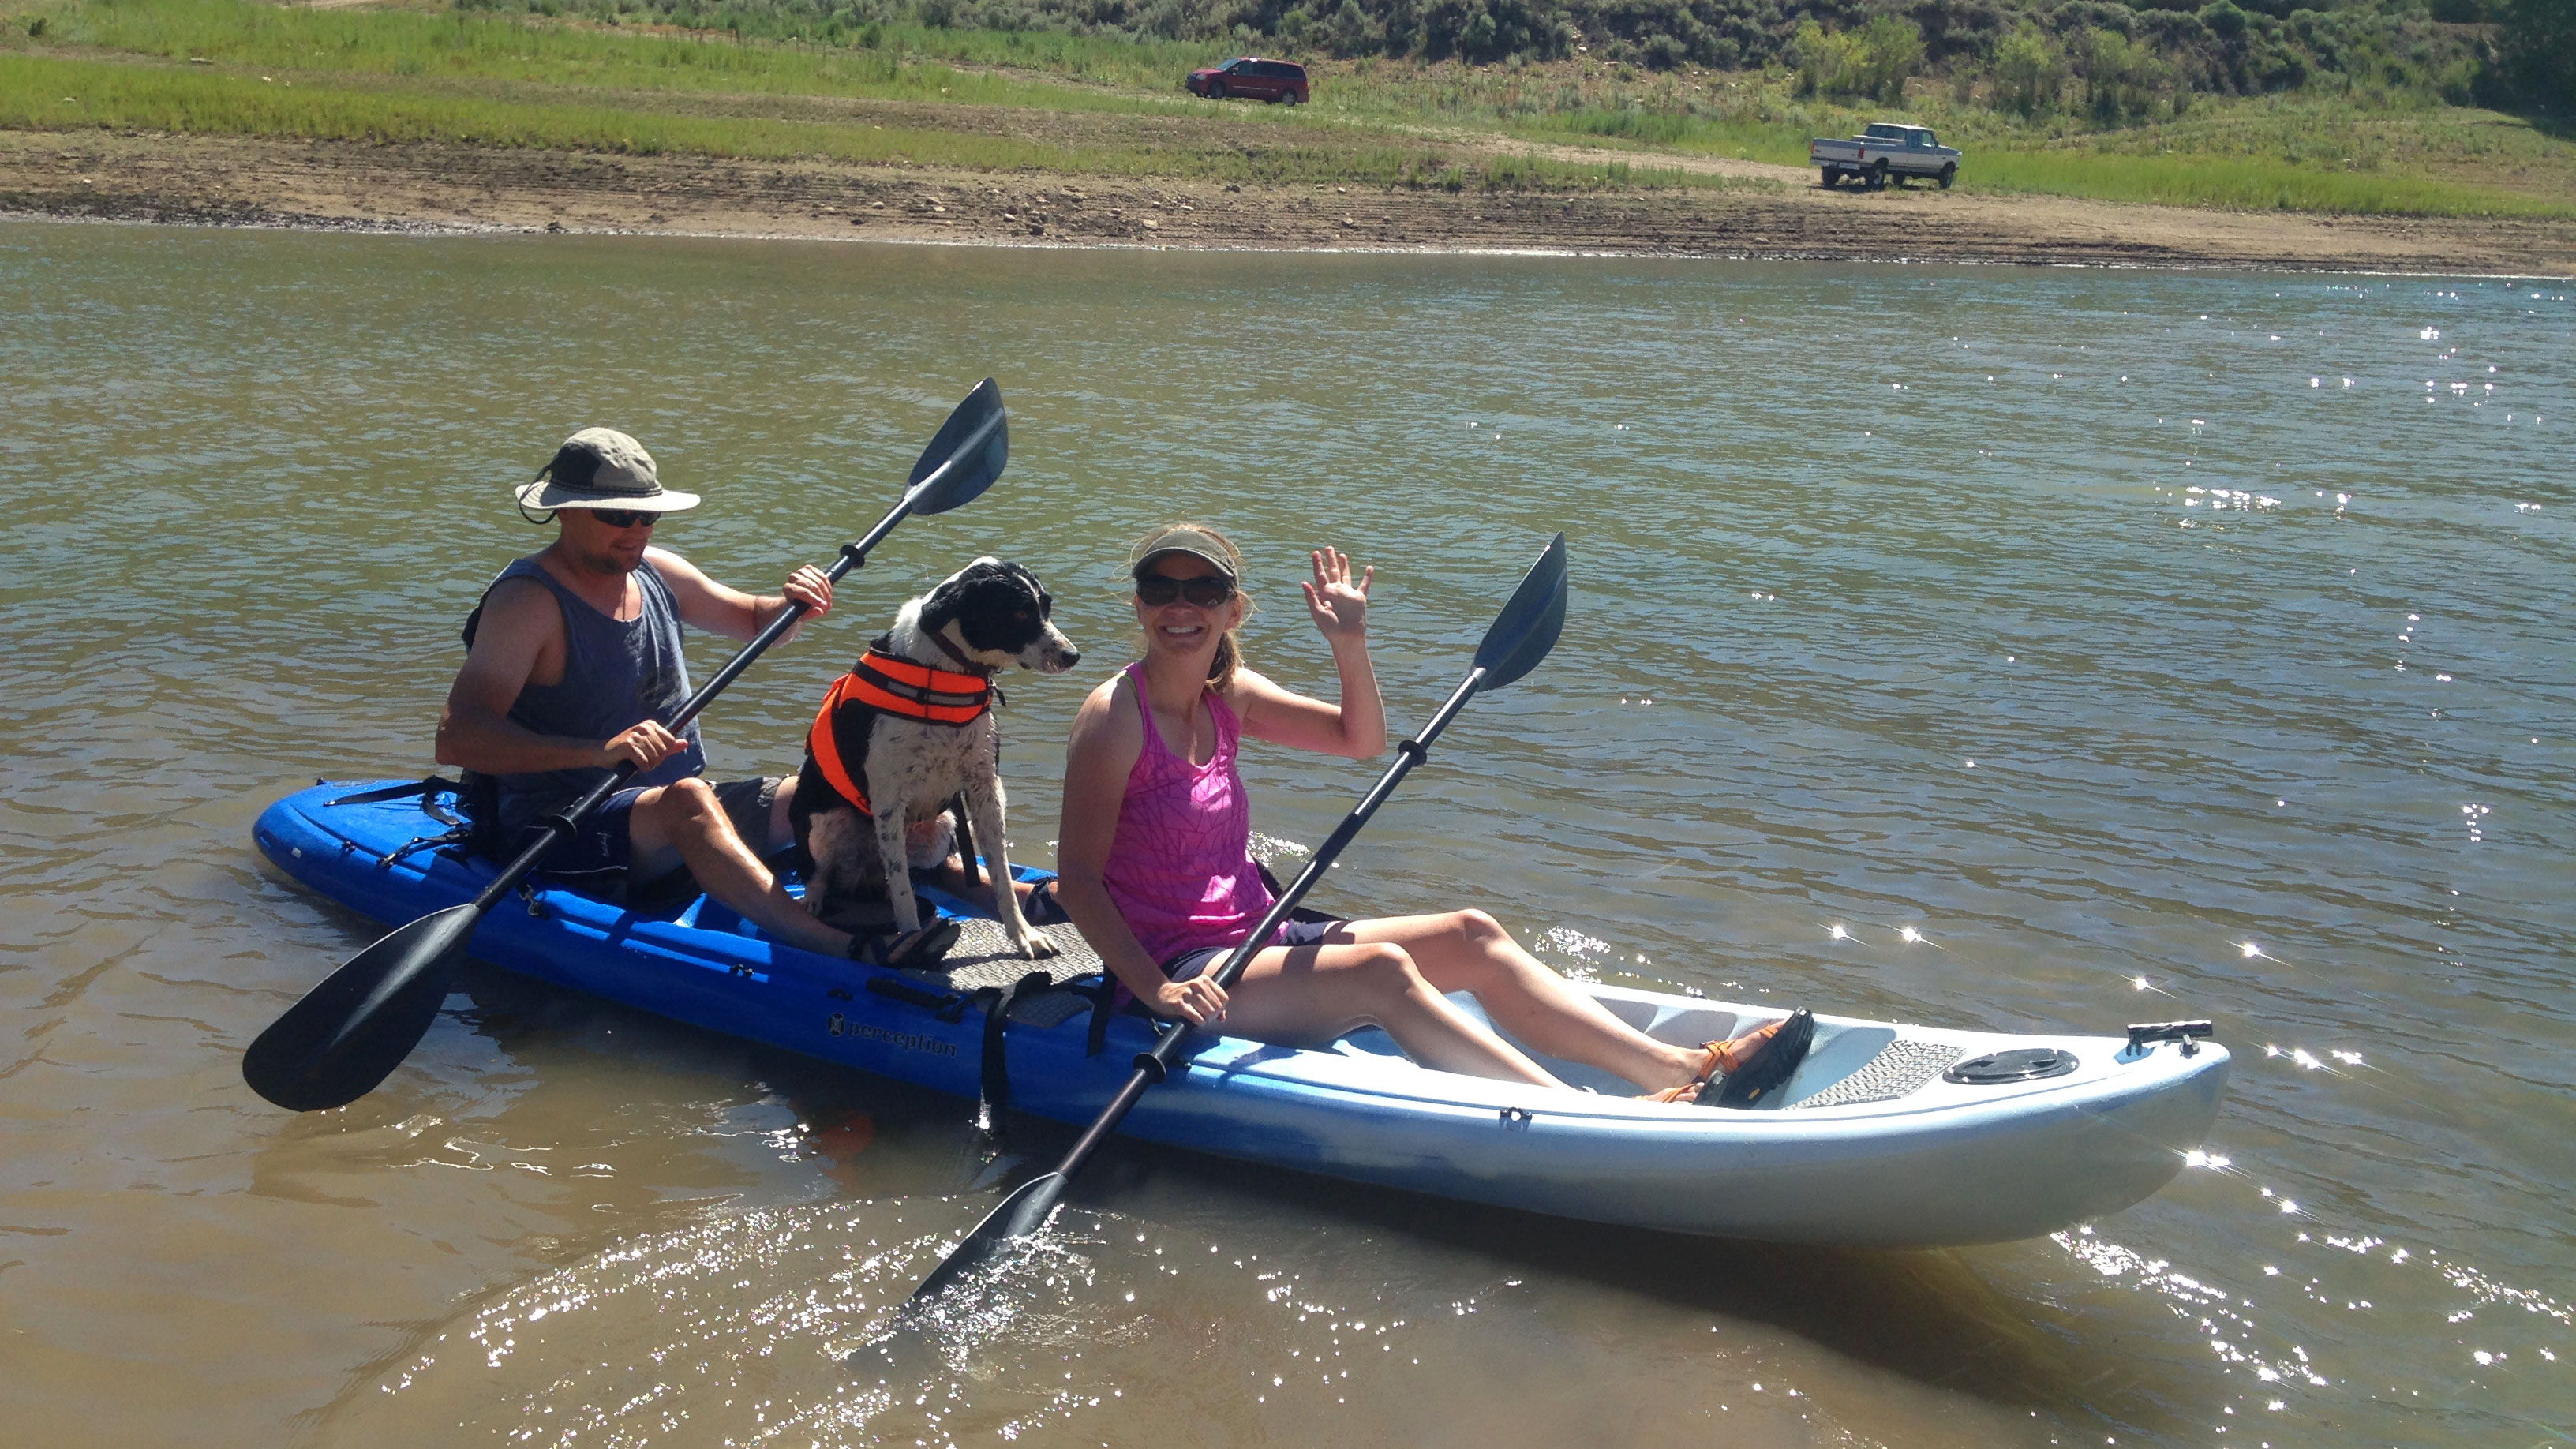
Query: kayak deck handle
x,y
946,1005
2186,1032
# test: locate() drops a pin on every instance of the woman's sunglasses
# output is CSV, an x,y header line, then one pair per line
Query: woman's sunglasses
x,y
1154,591
624,518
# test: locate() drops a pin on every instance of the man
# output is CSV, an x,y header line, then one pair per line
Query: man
x,y
573,664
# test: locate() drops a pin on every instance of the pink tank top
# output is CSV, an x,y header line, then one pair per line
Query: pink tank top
x,y
1180,868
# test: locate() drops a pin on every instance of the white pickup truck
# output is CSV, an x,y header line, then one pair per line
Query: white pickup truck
x,y
1889,148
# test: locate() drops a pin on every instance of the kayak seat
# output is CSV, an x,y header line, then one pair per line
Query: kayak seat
x,y
706,913
1370,1041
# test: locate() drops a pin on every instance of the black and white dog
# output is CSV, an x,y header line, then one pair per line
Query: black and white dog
x,y
905,731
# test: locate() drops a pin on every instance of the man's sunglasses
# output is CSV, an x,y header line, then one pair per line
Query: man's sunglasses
x,y
624,518
1154,591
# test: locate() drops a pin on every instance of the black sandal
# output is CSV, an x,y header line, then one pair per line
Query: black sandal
x,y
1041,908
923,948
1773,1064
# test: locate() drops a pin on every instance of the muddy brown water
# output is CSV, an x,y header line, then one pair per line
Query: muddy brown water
x,y
2149,549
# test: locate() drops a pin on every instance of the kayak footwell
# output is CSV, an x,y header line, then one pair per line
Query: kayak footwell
x,y
983,957
1900,1068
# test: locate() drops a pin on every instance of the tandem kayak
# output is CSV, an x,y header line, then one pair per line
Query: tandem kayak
x,y
1888,1135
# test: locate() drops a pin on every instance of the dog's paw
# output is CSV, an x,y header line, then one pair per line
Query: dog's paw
x,y
1036,947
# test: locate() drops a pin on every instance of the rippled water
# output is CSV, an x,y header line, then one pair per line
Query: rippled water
x,y
2029,647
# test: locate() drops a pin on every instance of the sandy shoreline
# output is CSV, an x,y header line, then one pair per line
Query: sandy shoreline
x,y
1777,212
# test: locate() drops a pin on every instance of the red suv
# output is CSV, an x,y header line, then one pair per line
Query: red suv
x,y
1252,78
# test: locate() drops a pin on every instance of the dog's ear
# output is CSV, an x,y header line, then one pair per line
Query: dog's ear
x,y
1046,601
949,599
940,609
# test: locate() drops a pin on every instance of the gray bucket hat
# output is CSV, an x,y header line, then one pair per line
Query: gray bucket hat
x,y
602,468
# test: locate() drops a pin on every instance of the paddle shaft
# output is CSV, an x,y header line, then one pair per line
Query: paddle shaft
x,y
1153,1066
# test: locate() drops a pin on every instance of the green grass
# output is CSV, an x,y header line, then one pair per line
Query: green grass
x,y
471,45
1112,107
2270,154
2245,184
481,79
1741,137
52,93
2273,153
2296,152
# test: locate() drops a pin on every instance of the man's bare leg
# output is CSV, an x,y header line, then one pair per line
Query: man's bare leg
x,y
684,820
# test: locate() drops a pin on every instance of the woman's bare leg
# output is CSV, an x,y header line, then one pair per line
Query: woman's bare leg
x,y
1470,951
1312,994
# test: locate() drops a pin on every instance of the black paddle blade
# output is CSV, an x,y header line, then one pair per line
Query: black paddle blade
x,y
1020,1216
966,455
350,1032
1528,626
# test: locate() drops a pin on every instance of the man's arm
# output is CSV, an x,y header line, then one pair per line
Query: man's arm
x,y
475,732
705,604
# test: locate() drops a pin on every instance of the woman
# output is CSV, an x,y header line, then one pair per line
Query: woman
x,y
1155,867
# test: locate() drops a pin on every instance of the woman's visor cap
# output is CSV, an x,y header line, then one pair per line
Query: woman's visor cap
x,y
1197,543
602,468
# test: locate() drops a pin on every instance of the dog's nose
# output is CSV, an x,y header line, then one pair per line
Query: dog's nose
x,y
1072,657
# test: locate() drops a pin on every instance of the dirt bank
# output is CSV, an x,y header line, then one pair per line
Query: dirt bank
x,y
1774,212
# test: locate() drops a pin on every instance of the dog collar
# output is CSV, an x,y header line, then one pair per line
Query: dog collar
x,y
981,671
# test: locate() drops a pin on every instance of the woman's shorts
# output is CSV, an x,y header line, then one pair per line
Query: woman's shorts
x,y
1191,963
1294,933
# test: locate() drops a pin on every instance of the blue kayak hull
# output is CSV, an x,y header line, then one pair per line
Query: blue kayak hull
x,y
1868,1145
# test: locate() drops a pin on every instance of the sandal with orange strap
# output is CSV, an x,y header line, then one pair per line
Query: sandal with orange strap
x,y
1750,1065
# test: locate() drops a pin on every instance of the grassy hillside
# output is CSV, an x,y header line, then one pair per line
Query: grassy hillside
x,y
883,90
2025,53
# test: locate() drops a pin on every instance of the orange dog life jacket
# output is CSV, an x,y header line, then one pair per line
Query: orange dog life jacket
x,y
889,684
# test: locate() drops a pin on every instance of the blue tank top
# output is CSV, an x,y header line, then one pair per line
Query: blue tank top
x,y
617,674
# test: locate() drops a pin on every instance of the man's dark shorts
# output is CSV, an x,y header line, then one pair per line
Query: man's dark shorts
x,y
602,845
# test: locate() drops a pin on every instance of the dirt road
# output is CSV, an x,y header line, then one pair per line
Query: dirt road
x,y
1774,212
